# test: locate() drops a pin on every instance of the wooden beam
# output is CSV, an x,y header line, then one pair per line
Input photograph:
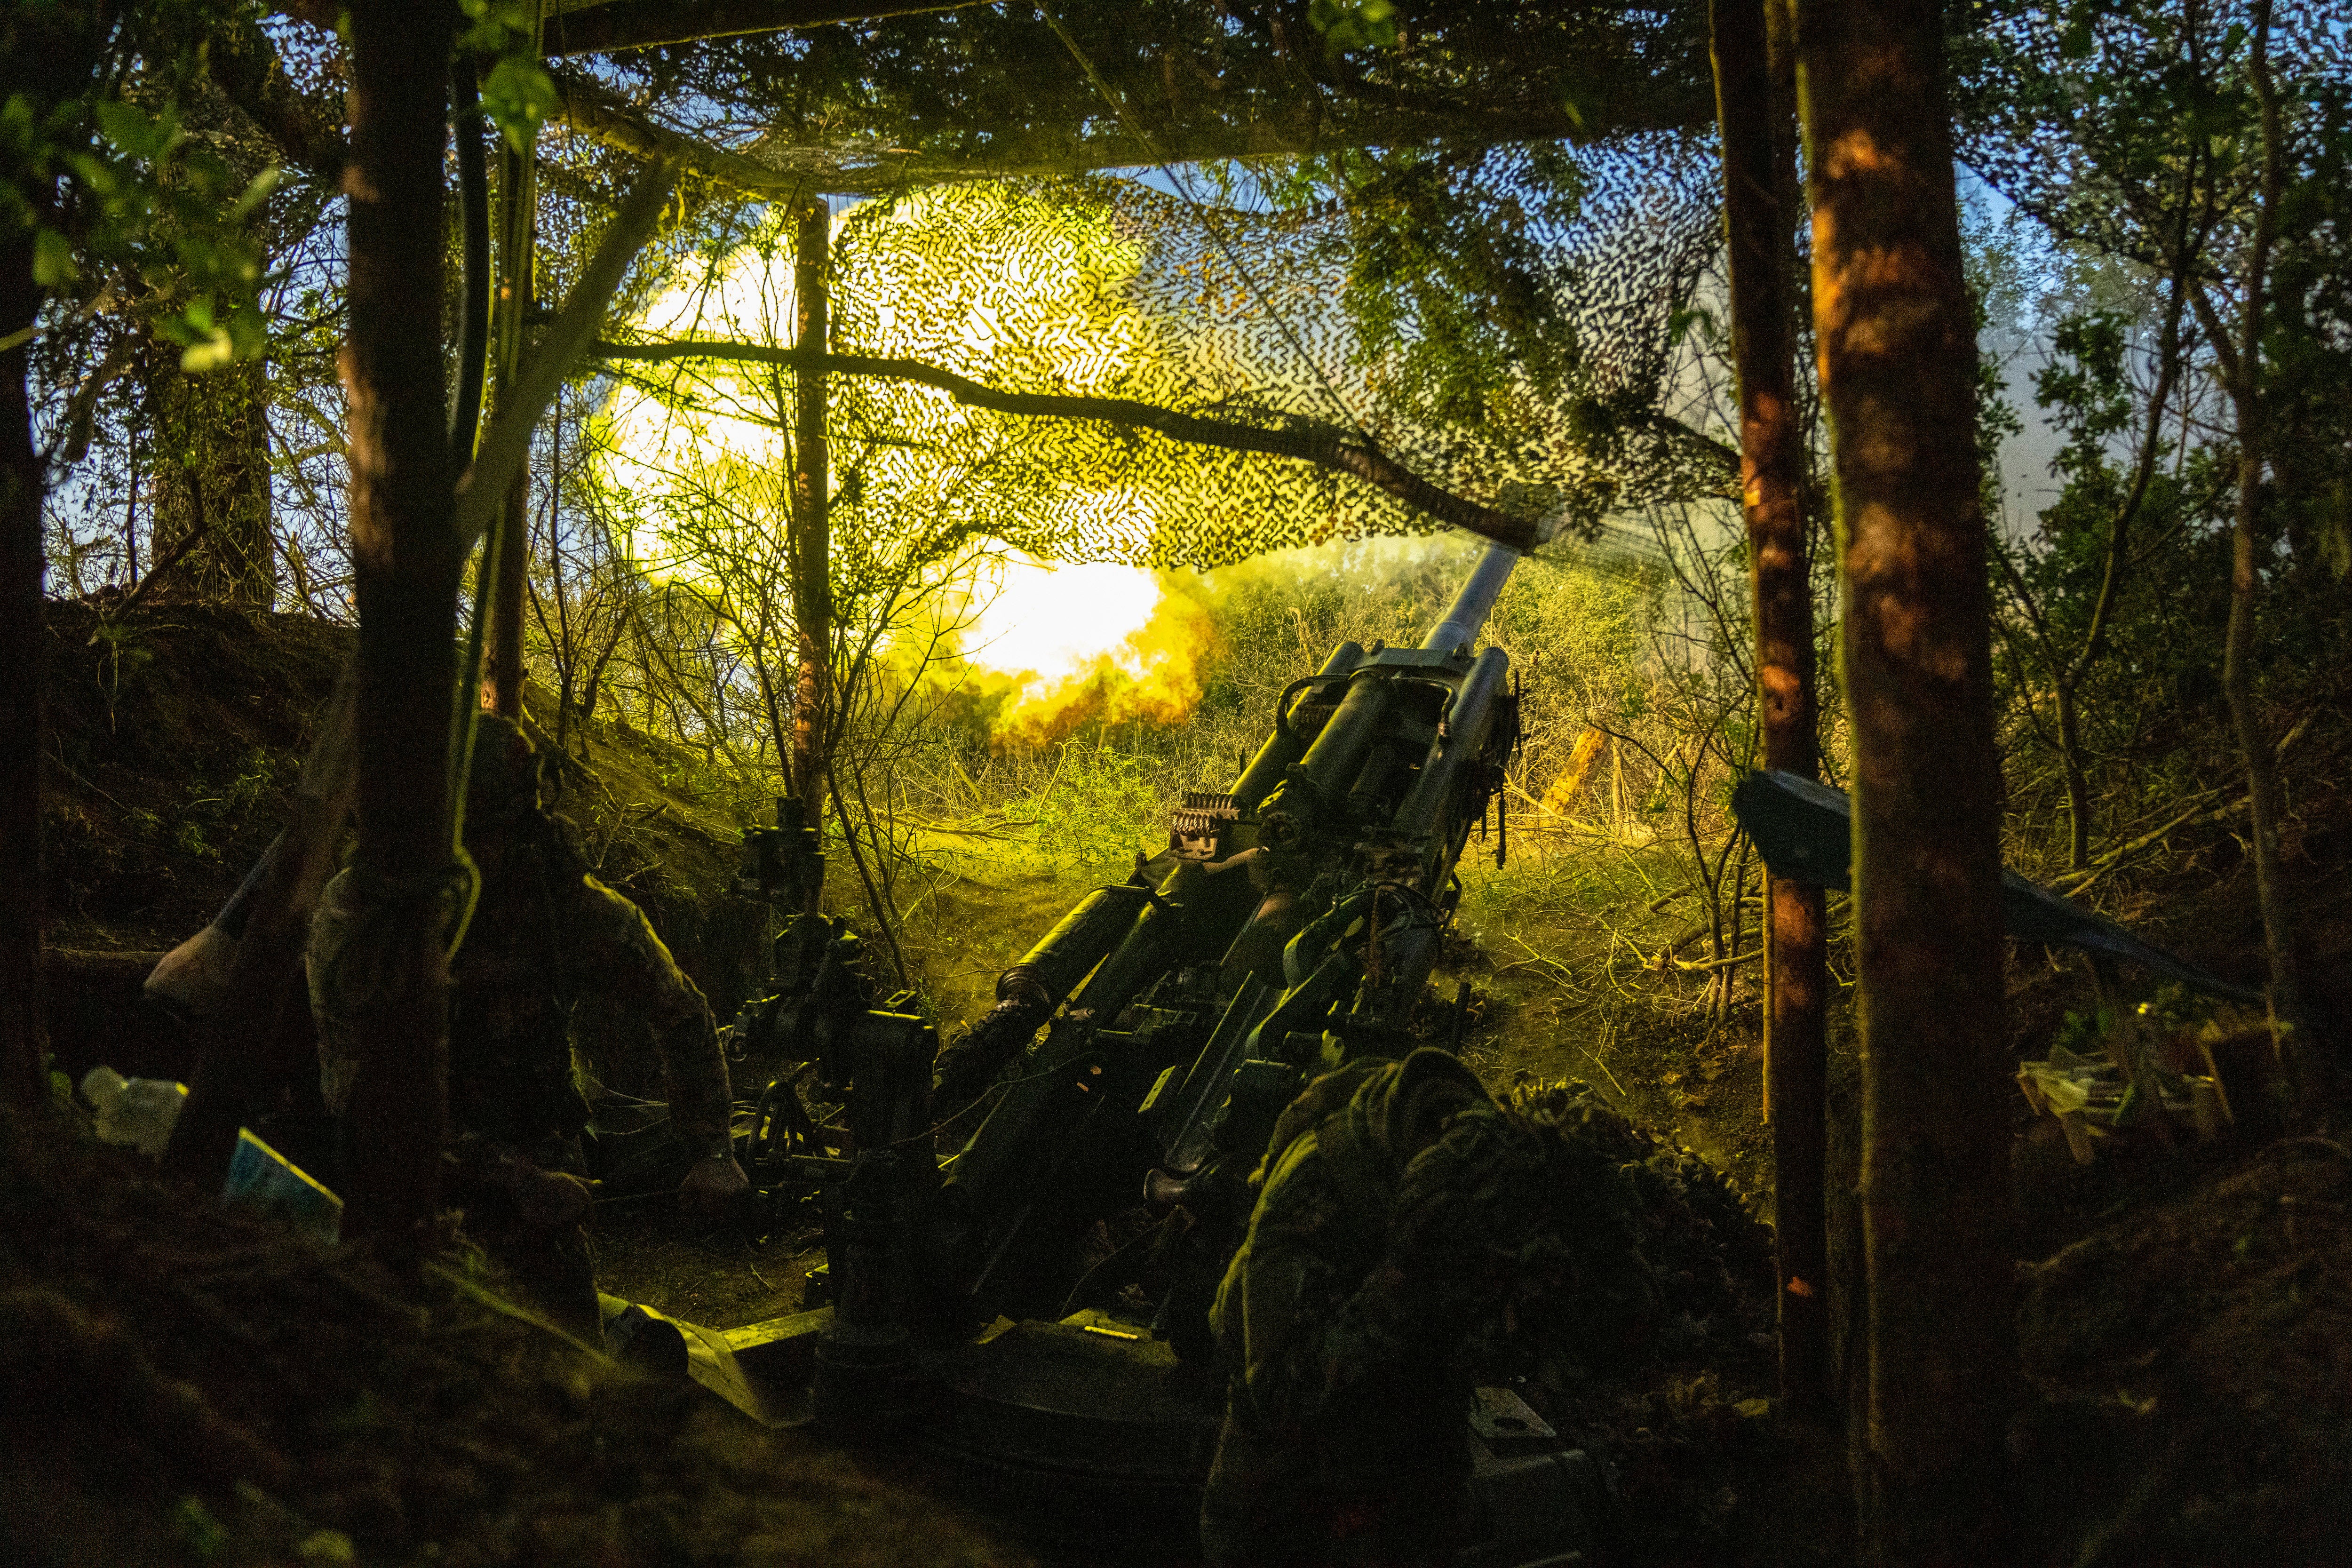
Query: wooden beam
x,y
647,23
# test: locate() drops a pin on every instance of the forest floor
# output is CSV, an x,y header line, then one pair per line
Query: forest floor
x,y
2186,1312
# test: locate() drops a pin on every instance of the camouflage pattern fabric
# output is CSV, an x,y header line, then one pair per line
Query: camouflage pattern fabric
x,y
545,934
1403,1217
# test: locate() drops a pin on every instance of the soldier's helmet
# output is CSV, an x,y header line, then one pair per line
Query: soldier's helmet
x,y
503,784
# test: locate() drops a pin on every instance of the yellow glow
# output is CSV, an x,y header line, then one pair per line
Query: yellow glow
x,y
697,482
1085,643
1046,622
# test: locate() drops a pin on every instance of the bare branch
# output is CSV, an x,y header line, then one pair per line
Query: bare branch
x,y
645,24
1325,445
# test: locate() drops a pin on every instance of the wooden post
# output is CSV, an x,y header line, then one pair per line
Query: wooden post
x,y
811,544
1897,360
405,566
1755,172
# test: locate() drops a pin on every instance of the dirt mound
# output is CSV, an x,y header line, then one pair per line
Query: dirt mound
x,y
176,735
179,1384
2195,1367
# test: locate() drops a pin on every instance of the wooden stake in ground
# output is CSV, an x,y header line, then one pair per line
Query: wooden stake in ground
x,y
1763,262
812,554
1897,365
404,564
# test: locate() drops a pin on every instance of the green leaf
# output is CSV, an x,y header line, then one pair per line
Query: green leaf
x,y
215,350
256,193
518,95
134,132
53,259
199,1531
1354,24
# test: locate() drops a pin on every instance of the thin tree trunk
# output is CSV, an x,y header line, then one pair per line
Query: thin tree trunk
x,y
811,544
509,555
1897,363
2245,585
404,566
1763,262
567,658
2078,777
2071,675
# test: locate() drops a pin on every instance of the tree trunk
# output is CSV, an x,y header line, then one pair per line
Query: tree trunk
x,y
404,566
507,555
508,559
1763,263
212,471
23,651
1897,362
46,52
812,547
2254,745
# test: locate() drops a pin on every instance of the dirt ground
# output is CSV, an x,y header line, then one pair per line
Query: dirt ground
x,y
180,1384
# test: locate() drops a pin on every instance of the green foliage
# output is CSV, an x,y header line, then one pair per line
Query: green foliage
x,y
255,780
2130,133
1100,804
518,95
149,212
1354,24
189,839
2085,386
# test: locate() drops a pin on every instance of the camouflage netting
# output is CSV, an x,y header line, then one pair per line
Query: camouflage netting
x,y
1506,324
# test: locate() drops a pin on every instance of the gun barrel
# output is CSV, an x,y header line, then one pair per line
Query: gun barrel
x,y
1284,746
1438,788
1471,607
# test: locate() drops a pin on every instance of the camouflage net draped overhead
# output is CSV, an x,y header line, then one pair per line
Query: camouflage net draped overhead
x,y
1555,404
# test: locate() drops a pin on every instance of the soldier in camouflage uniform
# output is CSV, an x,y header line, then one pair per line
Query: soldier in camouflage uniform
x,y
545,934
1404,1221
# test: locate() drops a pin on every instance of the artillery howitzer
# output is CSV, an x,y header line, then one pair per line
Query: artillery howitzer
x,y
1294,925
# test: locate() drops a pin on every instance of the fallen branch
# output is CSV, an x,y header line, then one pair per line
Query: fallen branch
x,y
1692,966
186,542
2199,808
1325,445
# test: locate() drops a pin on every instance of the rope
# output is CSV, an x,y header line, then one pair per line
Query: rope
x,y
381,905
